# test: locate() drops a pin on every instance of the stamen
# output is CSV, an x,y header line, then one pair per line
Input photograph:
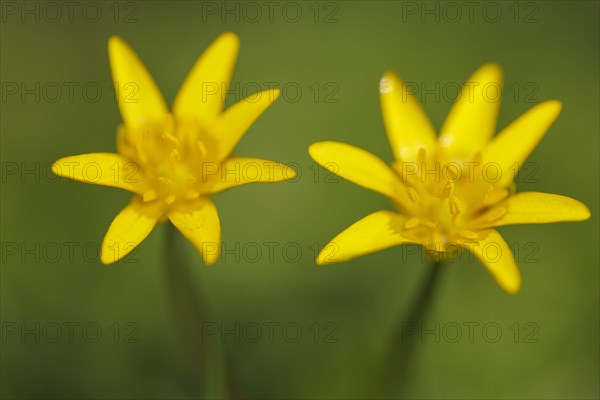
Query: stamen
x,y
413,195
468,234
163,180
496,214
192,194
412,223
150,195
191,180
421,156
202,148
453,205
170,199
174,158
170,138
446,190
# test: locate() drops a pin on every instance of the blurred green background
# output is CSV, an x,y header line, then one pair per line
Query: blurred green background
x,y
335,52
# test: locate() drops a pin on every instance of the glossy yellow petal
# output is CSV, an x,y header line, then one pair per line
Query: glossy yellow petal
x,y
356,165
235,121
139,99
237,171
537,208
198,221
107,169
129,228
515,143
472,119
203,92
407,125
377,231
496,256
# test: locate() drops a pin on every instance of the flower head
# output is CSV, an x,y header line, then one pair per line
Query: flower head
x,y
172,161
450,191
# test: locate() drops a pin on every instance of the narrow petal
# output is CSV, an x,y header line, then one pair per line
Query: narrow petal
x,y
496,256
199,222
472,119
139,99
377,231
107,169
237,119
203,92
356,165
129,228
407,125
515,143
537,208
237,171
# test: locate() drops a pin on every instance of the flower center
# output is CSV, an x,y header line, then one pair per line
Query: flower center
x,y
446,198
170,157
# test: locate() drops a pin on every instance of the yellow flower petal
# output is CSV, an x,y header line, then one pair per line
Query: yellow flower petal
x,y
235,121
408,127
129,228
539,208
513,145
237,171
202,95
199,222
472,119
496,256
139,99
107,169
356,165
376,231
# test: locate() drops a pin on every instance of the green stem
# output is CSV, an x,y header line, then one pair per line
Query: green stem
x,y
190,312
407,332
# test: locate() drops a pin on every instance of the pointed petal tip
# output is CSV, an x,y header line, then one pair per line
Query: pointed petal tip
x,y
390,81
275,94
117,44
322,260
210,261
230,36
55,168
512,288
584,212
230,39
490,68
314,148
389,74
106,256
317,149
553,106
290,173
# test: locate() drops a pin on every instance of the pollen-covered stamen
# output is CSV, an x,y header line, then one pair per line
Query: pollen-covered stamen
x,y
493,196
414,195
495,214
453,206
412,223
174,158
445,190
163,180
202,148
467,234
150,195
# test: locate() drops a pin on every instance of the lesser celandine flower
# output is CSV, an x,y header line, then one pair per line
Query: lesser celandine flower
x,y
172,161
450,192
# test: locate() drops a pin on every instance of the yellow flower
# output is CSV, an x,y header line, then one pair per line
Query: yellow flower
x,y
173,161
452,191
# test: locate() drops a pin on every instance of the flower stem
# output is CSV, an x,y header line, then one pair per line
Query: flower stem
x,y
408,333
190,312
